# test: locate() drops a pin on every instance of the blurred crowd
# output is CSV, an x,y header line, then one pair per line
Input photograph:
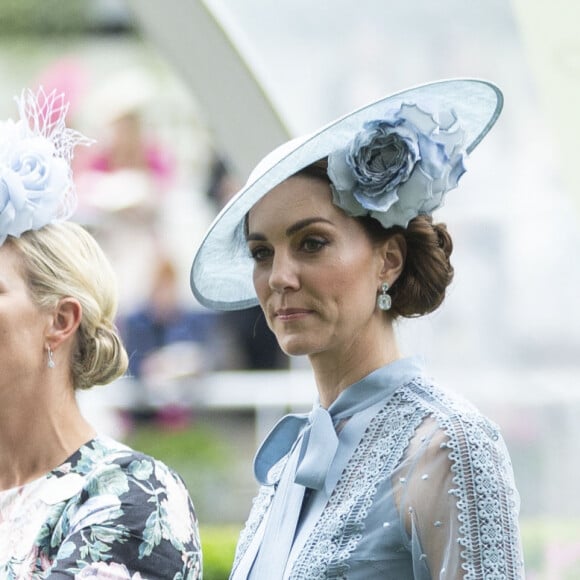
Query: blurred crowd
x,y
126,183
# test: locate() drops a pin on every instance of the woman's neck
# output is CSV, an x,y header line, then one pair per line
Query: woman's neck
x,y
336,371
38,433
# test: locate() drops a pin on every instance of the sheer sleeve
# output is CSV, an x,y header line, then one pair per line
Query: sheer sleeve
x,y
458,501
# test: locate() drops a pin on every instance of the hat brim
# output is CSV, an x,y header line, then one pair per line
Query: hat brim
x,y
221,274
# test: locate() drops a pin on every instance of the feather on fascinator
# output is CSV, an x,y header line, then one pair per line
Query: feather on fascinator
x,y
36,182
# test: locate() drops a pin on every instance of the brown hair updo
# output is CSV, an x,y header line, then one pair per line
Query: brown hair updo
x,y
421,287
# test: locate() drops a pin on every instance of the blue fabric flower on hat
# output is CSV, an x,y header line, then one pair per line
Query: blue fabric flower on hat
x,y
32,181
36,186
399,166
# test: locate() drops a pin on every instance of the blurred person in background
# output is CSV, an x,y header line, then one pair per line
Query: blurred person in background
x,y
166,342
124,181
389,476
73,503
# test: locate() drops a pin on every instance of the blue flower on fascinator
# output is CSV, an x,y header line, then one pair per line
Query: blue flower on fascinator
x,y
36,185
399,166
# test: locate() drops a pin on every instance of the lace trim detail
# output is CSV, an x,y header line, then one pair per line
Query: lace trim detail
x,y
487,511
339,530
479,460
260,505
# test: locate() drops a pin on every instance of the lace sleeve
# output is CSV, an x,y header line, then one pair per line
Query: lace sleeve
x,y
457,497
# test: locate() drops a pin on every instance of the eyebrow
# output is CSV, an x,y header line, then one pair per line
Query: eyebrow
x,y
299,225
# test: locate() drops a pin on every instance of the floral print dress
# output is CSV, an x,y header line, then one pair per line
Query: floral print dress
x,y
107,512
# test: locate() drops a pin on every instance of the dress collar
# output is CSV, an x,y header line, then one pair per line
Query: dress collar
x,y
377,385
315,431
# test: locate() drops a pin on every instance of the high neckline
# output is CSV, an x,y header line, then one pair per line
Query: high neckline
x,y
376,385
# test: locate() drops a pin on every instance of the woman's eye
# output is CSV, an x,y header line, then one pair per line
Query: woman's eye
x,y
313,244
260,253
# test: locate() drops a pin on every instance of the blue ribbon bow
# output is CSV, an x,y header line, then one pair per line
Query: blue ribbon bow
x,y
316,435
315,432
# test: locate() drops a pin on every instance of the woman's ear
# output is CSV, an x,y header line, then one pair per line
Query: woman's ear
x,y
393,253
66,319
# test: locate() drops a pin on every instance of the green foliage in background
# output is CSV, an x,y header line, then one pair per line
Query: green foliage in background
x,y
199,453
196,444
218,545
44,17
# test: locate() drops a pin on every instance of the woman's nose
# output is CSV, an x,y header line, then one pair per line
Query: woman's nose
x,y
284,275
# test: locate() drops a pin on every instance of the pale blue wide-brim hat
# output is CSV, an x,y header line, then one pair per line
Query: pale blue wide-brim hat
x,y
221,275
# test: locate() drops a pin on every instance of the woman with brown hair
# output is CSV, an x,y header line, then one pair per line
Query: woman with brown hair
x,y
389,476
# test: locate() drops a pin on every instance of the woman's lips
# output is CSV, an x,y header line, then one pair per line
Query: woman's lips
x,y
289,314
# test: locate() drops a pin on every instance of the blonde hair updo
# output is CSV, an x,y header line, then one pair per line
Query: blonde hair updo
x,y
61,260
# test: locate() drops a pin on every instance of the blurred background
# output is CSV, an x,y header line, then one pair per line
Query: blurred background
x,y
183,97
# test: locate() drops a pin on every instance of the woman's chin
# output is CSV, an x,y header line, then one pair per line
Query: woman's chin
x,y
298,346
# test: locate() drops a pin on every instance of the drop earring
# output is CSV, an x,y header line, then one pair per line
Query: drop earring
x,y
50,364
384,299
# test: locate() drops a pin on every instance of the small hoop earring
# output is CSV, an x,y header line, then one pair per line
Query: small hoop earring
x,y
384,299
50,364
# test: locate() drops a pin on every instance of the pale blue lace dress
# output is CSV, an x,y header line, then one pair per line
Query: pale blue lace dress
x,y
398,480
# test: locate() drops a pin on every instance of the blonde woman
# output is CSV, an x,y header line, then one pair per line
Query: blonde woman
x,y
73,503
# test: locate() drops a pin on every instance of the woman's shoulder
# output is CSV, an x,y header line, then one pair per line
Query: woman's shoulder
x,y
117,504
452,411
106,465
451,431
111,478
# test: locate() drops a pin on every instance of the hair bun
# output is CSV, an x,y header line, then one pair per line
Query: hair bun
x,y
428,271
103,360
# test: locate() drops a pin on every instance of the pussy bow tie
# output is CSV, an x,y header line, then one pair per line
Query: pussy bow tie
x,y
315,432
316,435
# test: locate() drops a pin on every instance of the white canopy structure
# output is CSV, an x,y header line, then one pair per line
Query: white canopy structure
x,y
244,123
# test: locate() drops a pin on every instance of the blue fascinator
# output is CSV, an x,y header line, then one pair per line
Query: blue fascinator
x,y
36,185
393,159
